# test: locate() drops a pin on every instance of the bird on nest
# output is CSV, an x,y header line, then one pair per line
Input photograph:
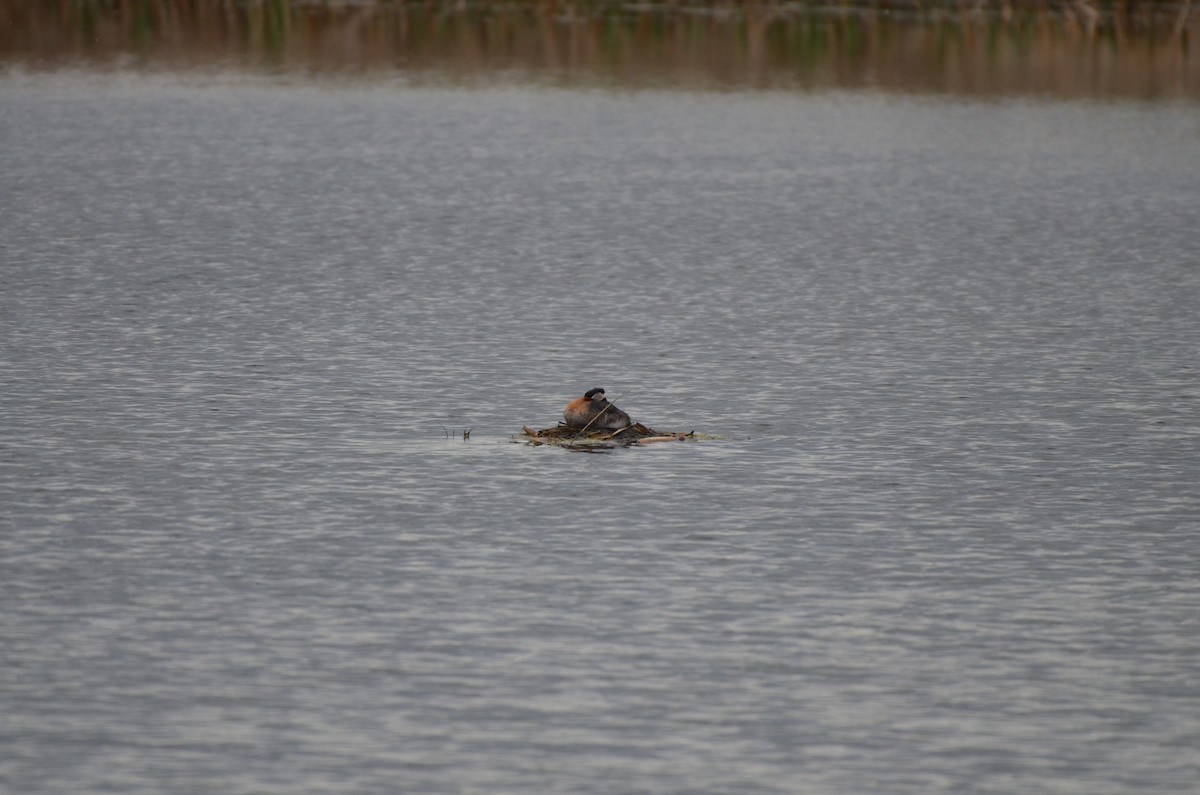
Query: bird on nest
x,y
593,411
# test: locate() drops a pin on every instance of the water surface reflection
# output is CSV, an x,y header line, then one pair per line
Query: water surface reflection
x,y
948,545
1139,50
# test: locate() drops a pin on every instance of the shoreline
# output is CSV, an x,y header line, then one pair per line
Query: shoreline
x,y
1143,51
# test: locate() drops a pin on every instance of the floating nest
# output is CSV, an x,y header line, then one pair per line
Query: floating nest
x,y
566,436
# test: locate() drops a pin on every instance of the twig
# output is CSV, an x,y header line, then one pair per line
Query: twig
x,y
679,437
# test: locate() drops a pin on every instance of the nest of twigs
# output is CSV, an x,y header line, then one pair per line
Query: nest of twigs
x,y
566,436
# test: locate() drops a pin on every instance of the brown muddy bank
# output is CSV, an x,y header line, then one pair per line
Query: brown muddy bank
x,y
1142,50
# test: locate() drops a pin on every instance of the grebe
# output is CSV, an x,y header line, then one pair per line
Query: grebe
x,y
593,411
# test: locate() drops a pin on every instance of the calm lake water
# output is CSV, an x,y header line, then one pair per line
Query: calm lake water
x,y
949,542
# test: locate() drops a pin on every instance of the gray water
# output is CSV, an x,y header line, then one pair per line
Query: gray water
x,y
947,543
